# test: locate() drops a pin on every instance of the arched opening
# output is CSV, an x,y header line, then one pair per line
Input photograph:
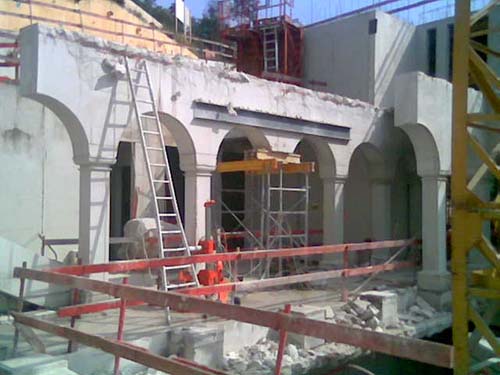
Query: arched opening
x,y
365,166
130,191
39,141
406,194
230,189
308,153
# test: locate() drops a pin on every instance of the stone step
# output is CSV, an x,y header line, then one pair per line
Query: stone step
x,y
40,364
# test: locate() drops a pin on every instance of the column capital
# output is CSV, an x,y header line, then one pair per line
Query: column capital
x,y
199,172
339,179
436,178
94,164
199,164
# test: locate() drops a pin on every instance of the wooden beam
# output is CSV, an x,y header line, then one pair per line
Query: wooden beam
x,y
120,349
253,165
414,349
305,167
245,286
145,264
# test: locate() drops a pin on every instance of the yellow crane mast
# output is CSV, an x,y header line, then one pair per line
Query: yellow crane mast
x,y
470,212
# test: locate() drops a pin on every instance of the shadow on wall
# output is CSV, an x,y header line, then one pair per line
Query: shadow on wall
x,y
11,256
397,59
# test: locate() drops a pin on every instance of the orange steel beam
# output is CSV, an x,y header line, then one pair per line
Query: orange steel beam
x,y
120,349
414,349
145,264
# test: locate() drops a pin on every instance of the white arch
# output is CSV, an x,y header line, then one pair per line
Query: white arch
x,y
76,132
375,159
425,147
255,136
182,138
324,156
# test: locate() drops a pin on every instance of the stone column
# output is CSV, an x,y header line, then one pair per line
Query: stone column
x,y
197,192
333,215
93,246
434,275
381,217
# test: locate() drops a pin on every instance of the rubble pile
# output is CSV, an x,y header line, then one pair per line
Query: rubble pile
x,y
396,311
359,314
261,358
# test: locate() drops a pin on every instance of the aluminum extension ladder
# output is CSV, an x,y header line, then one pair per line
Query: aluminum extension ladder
x,y
270,46
172,237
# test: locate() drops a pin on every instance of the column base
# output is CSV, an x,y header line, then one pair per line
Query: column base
x,y
435,288
434,281
441,301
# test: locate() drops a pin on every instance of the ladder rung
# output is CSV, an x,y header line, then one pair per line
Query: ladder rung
x,y
173,268
161,181
174,250
149,116
176,286
164,198
171,231
167,215
154,148
157,165
139,85
150,132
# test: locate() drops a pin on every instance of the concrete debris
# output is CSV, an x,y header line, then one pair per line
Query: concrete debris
x,y
359,314
261,358
386,302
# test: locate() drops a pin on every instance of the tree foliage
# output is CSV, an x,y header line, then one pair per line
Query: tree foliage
x,y
163,15
207,26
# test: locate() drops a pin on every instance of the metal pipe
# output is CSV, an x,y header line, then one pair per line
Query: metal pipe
x,y
282,343
19,308
121,325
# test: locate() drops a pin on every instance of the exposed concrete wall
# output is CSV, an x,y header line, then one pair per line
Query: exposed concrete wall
x,y
442,47
395,54
359,64
341,54
96,123
39,191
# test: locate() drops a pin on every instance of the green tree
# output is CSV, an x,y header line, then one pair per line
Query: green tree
x,y
163,15
207,26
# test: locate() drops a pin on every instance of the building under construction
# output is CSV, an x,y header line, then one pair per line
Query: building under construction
x,y
293,199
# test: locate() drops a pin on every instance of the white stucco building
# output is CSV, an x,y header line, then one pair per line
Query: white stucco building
x,y
380,135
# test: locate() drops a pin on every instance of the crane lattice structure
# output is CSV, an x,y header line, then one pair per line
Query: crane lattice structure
x,y
471,289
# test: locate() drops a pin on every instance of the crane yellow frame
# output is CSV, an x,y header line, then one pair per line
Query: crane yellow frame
x,y
469,211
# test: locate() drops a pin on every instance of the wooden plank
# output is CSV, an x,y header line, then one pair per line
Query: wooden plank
x,y
245,286
120,349
145,264
306,167
414,349
264,154
247,166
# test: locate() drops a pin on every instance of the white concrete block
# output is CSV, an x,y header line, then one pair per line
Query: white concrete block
x,y
386,302
201,344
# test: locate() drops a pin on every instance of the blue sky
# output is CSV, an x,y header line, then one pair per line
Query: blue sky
x,y
308,11
302,8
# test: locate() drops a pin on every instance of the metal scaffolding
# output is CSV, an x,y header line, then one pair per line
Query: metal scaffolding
x,y
277,210
470,211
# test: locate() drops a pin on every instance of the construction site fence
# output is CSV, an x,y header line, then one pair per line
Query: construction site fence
x,y
404,347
